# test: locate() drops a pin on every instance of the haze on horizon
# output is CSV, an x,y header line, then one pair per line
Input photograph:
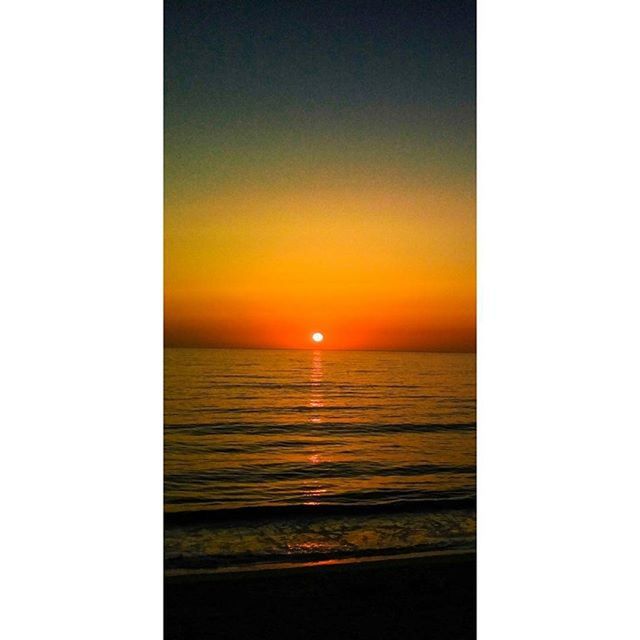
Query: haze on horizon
x,y
320,175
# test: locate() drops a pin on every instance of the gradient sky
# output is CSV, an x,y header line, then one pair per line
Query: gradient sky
x,y
320,174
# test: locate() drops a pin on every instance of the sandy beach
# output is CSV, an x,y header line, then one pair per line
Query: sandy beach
x,y
425,597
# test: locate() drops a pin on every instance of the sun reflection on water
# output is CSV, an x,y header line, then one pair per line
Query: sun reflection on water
x,y
316,403
316,396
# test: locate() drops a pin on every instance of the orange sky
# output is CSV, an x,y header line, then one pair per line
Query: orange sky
x,y
376,264
320,180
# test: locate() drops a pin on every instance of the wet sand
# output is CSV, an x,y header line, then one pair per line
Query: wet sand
x,y
429,597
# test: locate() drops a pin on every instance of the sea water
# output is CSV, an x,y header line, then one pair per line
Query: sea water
x,y
275,456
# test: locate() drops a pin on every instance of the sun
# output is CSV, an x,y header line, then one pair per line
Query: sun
x,y
317,337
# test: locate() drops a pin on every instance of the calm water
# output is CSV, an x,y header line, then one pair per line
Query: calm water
x,y
285,456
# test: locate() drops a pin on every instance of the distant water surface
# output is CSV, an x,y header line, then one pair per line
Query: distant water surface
x,y
275,456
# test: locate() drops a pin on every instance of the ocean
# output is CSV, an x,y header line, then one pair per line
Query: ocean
x,y
276,457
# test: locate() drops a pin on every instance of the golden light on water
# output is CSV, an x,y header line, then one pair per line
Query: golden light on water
x,y
317,337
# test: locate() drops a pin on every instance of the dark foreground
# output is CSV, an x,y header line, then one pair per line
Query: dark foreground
x,y
427,598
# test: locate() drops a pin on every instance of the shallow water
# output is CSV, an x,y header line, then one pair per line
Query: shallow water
x,y
277,455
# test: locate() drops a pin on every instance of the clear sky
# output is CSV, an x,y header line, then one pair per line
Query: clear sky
x,y
320,174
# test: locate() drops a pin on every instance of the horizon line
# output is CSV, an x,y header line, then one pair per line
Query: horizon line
x,y
220,348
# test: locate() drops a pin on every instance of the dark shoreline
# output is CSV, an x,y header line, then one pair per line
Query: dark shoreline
x,y
426,597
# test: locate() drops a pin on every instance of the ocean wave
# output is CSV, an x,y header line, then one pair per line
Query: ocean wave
x,y
205,428
434,503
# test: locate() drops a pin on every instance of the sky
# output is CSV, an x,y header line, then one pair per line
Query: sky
x,y
320,174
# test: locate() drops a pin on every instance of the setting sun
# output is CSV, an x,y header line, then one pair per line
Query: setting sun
x,y
319,185
320,199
